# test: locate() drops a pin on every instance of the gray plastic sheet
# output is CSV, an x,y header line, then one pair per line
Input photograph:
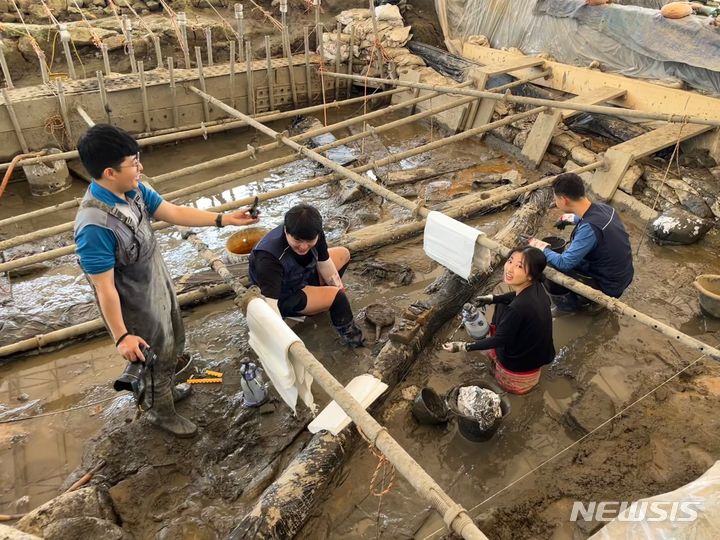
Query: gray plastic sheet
x,y
632,40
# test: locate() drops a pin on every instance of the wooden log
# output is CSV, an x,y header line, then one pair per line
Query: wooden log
x,y
286,504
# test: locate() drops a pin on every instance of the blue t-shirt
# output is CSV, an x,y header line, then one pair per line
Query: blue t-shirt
x,y
95,245
583,243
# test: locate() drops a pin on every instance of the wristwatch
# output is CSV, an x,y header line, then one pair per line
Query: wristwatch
x,y
218,220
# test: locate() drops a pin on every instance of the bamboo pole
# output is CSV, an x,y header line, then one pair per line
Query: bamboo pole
x,y
232,73
208,42
454,515
351,56
548,103
308,73
84,115
51,254
173,91
338,33
14,121
270,75
249,77
201,79
607,301
4,67
103,95
77,330
376,45
143,96
287,50
156,140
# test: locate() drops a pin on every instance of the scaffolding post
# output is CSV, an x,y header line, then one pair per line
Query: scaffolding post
x,y
4,66
173,90
240,25
127,31
65,40
182,23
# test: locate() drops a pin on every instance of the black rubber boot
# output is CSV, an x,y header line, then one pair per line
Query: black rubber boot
x,y
352,334
181,391
163,415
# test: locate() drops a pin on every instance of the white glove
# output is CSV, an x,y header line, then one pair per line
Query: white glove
x,y
534,242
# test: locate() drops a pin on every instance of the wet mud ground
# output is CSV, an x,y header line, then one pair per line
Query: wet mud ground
x,y
162,488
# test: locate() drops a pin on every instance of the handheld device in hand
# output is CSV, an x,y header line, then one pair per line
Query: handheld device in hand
x,y
254,210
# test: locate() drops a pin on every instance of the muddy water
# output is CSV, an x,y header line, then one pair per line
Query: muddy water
x,y
599,349
605,351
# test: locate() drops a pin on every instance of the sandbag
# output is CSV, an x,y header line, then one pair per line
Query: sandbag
x,y
676,10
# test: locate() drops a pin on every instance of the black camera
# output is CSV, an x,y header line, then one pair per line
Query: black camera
x,y
132,378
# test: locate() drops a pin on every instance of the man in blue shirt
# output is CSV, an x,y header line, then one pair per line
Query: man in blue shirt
x,y
599,253
118,252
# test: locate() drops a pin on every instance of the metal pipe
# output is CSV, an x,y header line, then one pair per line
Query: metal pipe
x,y
549,103
288,51
208,42
338,33
455,516
201,78
270,77
318,30
611,303
84,115
143,96
65,40
14,121
4,67
173,91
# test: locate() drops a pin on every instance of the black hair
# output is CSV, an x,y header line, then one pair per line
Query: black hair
x,y
534,261
104,146
569,185
303,222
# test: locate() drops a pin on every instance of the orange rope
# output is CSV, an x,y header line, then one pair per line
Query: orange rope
x,y
383,463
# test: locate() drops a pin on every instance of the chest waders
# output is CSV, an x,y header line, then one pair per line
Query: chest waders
x,y
148,304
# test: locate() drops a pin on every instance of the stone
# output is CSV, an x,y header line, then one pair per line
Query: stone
x,y
677,226
4,6
83,527
591,409
84,502
11,533
37,11
114,42
82,35
8,17
139,6
99,3
153,5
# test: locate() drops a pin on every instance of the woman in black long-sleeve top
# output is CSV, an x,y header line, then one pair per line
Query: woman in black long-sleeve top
x,y
522,341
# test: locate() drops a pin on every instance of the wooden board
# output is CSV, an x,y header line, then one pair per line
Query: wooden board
x,y
619,157
542,131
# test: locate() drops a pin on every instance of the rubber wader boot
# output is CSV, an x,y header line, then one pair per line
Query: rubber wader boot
x,y
563,304
181,391
163,415
351,334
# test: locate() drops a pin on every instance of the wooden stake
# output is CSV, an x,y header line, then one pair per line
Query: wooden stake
x,y
5,69
208,42
127,30
14,120
288,51
337,59
173,91
103,94
43,68
198,61
106,58
308,72
182,23
64,110
65,40
85,116
351,57
240,24
158,53
270,75
378,52
232,73
143,95
249,77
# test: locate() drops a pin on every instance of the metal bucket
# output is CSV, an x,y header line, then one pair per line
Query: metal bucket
x,y
239,245
708,285
429,408
48,178
467,425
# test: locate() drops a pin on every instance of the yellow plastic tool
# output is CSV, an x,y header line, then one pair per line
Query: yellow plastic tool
x,y
206,380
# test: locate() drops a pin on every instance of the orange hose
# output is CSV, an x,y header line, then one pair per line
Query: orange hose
x,y
11,168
